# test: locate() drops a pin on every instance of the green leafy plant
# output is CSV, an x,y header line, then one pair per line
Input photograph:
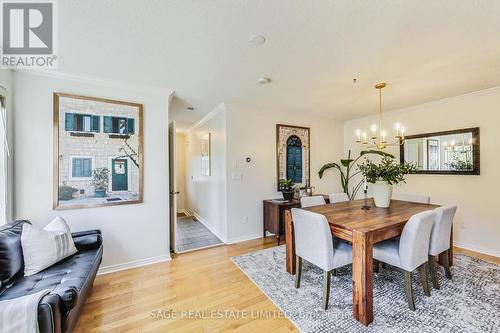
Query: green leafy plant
x,y
66,192
100,178
348,169
387,170
287,184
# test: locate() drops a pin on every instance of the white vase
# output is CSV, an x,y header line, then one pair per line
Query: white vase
x,y
382,193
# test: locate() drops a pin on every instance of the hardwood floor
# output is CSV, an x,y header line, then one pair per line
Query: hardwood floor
x,y
153,298
156,298
484,257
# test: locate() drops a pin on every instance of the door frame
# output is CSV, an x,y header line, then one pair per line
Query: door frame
x,y
172,182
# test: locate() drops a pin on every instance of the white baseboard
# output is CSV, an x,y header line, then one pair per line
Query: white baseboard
x,y
209,227
479,249
133,264
244,238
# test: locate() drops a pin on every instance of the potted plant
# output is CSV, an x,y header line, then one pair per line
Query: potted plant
x,y
349,170
383,176
287,188
100,180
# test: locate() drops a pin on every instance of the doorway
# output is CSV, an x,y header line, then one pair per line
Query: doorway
x,y
187,232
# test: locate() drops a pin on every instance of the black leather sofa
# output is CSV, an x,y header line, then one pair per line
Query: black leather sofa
x,y
70,280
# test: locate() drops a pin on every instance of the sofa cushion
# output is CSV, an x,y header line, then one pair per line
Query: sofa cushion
x,y
66,278
44,247
11,254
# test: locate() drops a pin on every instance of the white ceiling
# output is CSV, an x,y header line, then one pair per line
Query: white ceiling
x,y
424,50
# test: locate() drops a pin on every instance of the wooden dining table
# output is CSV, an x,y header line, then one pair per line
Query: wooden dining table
x,y
362,228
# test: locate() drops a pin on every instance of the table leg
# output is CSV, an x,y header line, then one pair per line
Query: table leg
x,y
362,277
290,243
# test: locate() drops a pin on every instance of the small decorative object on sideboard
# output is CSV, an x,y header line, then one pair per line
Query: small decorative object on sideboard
x,y
383,176
287,188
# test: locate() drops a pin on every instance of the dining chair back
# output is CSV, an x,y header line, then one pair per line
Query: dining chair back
x,y
338,197
439,244
313,238
315,244
412,198
441,229
312,201
414,240
409,252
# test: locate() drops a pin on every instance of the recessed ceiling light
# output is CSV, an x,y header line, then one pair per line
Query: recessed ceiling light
x,y
190,108
257,39
263,80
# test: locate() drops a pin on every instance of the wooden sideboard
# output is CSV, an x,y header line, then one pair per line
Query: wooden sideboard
x,y
274,215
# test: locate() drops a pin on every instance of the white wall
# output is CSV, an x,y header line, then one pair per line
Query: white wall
x,y
252,133
6,206
180,169
477,225
206,195
132,233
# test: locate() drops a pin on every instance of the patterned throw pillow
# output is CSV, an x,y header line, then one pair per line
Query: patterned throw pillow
x,y
43,248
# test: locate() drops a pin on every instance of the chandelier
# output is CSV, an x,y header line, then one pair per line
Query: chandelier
x,y
379,139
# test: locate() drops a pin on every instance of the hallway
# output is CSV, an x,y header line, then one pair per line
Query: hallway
x,y
192,235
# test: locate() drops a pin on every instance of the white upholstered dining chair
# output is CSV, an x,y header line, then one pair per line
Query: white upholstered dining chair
x,y
440,241
338,197
315,244
312,201
409,252
412,198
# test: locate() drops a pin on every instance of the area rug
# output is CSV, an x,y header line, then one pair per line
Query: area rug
x,y
470,302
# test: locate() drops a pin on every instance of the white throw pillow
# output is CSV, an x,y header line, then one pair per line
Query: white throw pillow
x,y
44,247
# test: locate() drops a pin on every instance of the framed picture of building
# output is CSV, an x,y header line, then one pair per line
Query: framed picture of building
x,y
98,158
293,154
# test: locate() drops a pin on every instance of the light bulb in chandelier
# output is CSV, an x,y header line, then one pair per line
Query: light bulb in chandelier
x,y
374,131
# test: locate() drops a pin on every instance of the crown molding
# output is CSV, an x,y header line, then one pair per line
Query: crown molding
x,y
435,102
219,108
123,85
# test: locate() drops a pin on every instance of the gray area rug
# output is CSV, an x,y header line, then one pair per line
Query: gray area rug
x,y
192,234
470,302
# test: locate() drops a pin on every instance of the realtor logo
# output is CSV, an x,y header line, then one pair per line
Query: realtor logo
x,y
28,31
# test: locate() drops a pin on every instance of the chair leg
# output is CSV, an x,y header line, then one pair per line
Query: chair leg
x,y
446,264
326,289
298,272
434,274
334,272
409,291
376,266
424,272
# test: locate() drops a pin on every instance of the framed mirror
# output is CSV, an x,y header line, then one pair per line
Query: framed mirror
x,y
448,152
